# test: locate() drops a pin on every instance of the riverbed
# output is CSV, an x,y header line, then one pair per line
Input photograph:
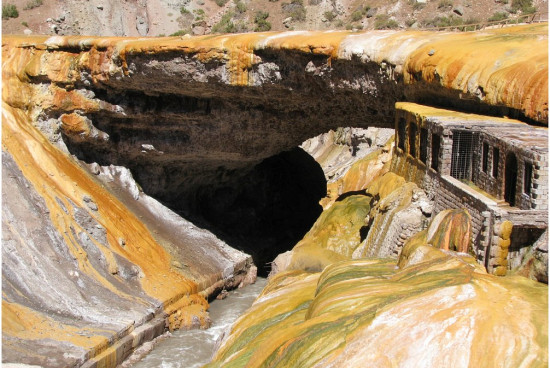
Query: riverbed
x,y
193,349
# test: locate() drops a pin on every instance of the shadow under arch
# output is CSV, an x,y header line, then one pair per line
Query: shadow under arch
x,y
267,210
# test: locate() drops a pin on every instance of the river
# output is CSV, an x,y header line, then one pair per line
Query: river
x,y
193,349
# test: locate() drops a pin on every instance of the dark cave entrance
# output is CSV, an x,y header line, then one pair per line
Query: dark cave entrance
x,y
264,212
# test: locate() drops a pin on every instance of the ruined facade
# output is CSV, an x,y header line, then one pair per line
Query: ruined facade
x,y
495,168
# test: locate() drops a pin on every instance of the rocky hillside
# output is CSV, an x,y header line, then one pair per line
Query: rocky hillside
x,y
167,17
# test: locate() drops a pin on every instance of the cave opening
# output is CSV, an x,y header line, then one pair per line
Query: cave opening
x,y
262,209
263,212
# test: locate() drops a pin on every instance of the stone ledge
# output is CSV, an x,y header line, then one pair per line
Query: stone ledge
x,y
122,348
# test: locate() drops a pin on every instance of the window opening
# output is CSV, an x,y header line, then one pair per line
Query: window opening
x,y
461,160
436,143
527,175
412,139
423,145
401,126
485,158
510,179
495,161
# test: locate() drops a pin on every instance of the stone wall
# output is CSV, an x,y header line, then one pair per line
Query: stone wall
x,y
540,190
482,178
535,197
448,193
497,249
451,194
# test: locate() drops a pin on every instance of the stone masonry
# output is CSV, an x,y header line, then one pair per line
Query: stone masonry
x,y
495,168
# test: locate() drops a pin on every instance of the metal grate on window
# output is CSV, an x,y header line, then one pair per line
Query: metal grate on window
x,y
461,159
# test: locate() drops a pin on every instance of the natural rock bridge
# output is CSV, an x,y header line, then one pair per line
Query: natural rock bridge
x,y
179,111
188,116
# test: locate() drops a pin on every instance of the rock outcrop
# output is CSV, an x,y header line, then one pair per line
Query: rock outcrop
x,y
158,17
535,265
438,308
374,224
170,108
92,270
338,150
351,158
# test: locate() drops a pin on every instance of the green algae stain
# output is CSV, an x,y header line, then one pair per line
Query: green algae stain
x,y
356,269
370,312
334,236
351,297
276,307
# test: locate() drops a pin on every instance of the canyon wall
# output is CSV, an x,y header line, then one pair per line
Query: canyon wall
x,y
107,141
92,267
155,18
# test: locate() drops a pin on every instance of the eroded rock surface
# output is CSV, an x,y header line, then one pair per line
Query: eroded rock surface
x,y
375,224
183,112
438,308
86,278
337,150
535,264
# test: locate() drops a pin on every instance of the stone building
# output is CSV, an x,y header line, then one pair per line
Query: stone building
x,y
496,168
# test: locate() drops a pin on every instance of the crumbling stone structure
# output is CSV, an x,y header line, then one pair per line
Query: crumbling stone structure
x,y
495,168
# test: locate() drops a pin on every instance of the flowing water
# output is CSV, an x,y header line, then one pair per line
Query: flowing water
x,y
192,349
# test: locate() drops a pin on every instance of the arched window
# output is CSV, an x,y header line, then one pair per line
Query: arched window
x,y
485,157
527,175
496,154
423,145
436,144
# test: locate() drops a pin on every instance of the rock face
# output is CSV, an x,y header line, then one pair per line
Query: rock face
x,y
350,158
97,17
165,17
106,141
207,106
337,150
91,270
437,308
374,224
535,265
